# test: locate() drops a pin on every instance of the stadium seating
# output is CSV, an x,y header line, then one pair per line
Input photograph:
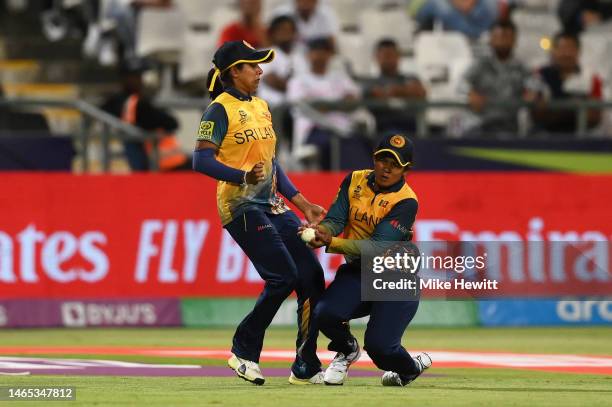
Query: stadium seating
x,y
186,37
269,8
348,12
351,48
160,33
442,58
393,23
222,16
16,70
543,22
533,49
60,120
535,32
196,55
547,5
197,13
595,52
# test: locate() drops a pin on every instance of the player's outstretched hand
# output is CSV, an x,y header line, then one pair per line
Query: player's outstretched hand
x,y
256,174
314,213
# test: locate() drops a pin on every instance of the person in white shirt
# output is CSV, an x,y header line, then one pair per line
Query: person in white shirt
x,y
320,83
314,20
282,34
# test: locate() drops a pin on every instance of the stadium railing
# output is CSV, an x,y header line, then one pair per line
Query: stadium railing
x,y
114,127
111,127
419,109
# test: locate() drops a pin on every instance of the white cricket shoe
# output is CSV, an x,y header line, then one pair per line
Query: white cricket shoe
x,y
337,371
423,362
316,379
246,370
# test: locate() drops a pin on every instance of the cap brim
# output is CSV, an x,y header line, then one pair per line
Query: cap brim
x,y
397,157
257,57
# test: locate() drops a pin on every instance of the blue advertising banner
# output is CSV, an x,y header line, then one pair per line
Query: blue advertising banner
x,y
563,311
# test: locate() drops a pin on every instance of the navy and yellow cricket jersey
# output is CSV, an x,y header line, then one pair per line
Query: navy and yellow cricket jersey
x,y
241,126
362,213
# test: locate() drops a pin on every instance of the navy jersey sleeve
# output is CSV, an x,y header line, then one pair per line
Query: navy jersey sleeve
x,y
214,124
337,216
395,226
283,183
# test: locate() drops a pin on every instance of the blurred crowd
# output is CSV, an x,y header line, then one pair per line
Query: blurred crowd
x,y
507,59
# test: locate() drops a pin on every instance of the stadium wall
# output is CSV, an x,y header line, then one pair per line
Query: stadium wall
x,y
148,249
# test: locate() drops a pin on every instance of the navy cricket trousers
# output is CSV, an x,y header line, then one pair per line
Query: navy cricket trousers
x,y
285,263
341,302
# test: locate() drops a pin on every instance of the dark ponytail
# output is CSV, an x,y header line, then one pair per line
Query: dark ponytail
x,y
218,88
223,80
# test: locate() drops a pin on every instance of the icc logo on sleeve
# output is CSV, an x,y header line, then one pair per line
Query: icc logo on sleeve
x,y
206,130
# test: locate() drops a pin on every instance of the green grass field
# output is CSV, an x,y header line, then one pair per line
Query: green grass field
x,y
445,386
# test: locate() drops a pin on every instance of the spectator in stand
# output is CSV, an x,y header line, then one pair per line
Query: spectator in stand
x,y
494,78
282,33
391,83
249,28
313,20
320,83
577,16
68,18
471,17
133,107
564,79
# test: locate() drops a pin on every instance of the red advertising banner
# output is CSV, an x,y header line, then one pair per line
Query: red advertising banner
x,y
150,236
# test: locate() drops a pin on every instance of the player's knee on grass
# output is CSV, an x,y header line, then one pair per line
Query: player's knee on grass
x,y
330,322
388,355
382,359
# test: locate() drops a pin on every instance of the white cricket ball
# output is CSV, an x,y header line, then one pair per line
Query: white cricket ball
x,y
308,234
